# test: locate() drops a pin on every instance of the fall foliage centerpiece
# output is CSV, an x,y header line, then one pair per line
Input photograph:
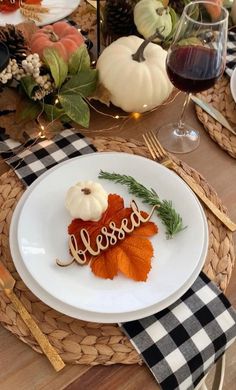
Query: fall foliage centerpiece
x,y
49,79
49,70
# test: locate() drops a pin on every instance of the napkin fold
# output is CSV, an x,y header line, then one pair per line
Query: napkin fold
x,y
36,158
231,53
181,343
178,344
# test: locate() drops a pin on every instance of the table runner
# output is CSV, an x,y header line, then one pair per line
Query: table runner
x,y
38,156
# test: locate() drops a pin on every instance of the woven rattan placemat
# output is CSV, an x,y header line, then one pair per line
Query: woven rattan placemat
x,y
221,98
80,342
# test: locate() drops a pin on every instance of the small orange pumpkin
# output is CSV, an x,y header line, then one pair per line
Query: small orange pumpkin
x,y
60,36
215,9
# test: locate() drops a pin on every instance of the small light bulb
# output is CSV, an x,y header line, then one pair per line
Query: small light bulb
x,y
117,117
56,101
145,105
41,133
136,115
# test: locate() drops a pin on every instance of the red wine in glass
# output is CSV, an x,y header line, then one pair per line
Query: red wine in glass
x,y
195,61
193,68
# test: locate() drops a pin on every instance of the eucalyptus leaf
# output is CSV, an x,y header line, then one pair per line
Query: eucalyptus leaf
x,y
57,66
79,60
29,85
27,110
54,112
83,83
76,108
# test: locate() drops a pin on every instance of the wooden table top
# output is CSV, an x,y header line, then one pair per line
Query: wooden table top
x,y
24,369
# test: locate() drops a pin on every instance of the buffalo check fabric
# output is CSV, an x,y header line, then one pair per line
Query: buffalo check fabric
x,y
34,159
181,343
231,53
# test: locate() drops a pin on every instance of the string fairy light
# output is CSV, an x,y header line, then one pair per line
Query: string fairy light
x,y
47,130
42,132
136,115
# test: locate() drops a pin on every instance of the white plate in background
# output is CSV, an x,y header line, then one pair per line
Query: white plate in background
x,y
233,84
58,9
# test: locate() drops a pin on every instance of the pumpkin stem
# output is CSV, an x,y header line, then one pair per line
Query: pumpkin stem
x,y
52,35
161,10
86,191
139,56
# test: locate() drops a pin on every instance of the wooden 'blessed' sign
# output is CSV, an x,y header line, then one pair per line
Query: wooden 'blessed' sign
x,y
106,238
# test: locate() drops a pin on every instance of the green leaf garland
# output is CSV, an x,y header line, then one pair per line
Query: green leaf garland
x,y
76,108
83,83
27,110
57,66
79,60
53,112
29,85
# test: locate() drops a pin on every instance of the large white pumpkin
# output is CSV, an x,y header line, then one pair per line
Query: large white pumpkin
x,y
136,85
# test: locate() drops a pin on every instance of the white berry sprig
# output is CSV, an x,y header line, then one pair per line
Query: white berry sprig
x,y
31,65
11,71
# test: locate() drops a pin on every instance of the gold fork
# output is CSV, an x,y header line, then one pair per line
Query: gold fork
x,y
159,154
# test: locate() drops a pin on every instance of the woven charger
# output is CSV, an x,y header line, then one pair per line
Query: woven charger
x,y
221,98
80,342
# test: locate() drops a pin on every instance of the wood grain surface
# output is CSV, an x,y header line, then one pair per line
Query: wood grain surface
x,y
24,369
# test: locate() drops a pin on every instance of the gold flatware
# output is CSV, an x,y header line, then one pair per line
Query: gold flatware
x,y
160,155
7,283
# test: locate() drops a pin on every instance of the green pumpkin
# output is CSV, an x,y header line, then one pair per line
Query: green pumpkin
x,y
150,16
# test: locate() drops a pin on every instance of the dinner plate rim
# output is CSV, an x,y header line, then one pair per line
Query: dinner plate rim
x,y
83,314
233,84
49,20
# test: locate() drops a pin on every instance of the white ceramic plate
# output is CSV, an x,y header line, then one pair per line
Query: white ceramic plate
x,y
233,84
175,267
58,9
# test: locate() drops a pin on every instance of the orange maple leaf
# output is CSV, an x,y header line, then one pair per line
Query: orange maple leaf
x,y
132,256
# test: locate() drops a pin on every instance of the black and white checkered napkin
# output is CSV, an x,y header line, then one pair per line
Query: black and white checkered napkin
x,y
180,343
34,159
231,53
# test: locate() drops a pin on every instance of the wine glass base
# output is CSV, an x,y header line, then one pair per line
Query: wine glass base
x,y
174,141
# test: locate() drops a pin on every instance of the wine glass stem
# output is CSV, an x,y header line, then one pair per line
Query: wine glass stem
x,y
180,129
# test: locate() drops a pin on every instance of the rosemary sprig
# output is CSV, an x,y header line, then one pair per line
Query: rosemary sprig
x,y
170,218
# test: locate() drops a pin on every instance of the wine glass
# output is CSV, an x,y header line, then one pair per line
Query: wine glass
x,y
195,60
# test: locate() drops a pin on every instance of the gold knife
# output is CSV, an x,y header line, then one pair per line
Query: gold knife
x,y
214,113
7,283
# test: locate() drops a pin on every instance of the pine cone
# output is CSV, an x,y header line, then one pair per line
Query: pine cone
x,y
15,41
118,18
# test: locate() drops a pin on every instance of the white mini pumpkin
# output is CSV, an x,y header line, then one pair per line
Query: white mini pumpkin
x,y
151,15
86,200
133,71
